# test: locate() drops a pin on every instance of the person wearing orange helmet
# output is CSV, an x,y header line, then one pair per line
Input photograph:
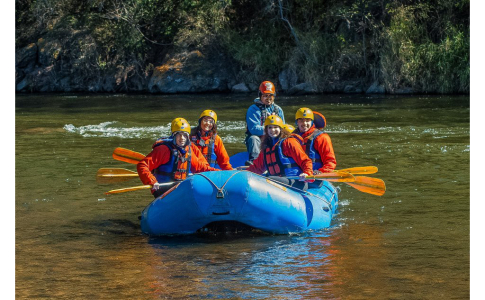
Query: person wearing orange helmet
x,y
282,154
172,160
257,113
205,137
317,143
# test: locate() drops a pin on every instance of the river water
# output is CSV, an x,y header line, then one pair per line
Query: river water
x,y
74,242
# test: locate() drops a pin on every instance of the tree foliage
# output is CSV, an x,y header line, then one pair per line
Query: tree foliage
x,y
400,43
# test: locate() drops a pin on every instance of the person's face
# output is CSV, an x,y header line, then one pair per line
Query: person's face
x,y
274,131
267,99
180,139
207,123
304,124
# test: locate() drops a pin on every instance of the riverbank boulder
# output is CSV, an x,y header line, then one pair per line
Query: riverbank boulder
x,y
240,88
302,89
191,72
376,88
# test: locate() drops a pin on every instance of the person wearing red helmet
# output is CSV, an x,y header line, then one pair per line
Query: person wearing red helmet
x,y
172,160
257,113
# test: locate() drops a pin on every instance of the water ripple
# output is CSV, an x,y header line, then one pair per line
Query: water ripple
x,y
117,129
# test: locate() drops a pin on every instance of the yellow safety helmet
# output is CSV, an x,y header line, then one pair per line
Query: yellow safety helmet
x,y
288,128
178,119
274,120
209,113
180,125
304,113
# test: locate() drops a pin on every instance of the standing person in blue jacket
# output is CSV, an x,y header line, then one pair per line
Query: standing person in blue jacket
x,y
257,113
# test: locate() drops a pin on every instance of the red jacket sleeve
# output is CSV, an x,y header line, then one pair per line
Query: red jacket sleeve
x,y
222,157
198,163
323,144
292,148
258,165
159,156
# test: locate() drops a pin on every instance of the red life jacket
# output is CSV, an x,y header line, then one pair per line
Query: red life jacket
x,y
279,164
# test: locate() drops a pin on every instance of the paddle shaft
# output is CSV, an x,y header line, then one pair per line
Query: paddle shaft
x,y
135,188
332,176
114,175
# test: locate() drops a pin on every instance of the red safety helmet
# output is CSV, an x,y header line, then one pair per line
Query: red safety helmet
x,y
267,87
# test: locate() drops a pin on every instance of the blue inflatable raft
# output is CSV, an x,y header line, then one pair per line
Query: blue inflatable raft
x,y
239,197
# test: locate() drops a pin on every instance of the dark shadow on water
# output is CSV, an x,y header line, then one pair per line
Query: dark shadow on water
x,y
231,232
212,233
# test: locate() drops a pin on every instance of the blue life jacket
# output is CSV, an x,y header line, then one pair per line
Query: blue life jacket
x,y
177,168
312,152
279,164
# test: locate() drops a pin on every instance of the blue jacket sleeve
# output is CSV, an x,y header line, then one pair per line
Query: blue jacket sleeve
x,y
253,120
280,113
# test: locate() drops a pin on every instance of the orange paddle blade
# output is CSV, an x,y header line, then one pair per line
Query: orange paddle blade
x,y
360,170
374,186
128,156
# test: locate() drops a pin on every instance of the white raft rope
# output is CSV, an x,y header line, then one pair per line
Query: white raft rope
x,y
220,191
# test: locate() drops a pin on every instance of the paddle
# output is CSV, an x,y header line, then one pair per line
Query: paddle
x,y
359,170
369,185
128,156
136,188
129,189
333,176
353,171
113,175
374,186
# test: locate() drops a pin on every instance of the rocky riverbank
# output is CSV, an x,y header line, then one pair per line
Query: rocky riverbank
x,y
71,65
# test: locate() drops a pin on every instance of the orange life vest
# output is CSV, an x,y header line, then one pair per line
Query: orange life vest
x,y
178,166
206,147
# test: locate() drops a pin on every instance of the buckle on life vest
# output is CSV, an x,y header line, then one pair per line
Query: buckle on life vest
x,y
220,194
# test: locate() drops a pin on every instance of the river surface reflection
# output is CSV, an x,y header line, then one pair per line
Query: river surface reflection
x,y
74,242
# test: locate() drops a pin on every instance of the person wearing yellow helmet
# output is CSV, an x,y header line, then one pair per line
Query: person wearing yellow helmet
x,y
288,128
205,137
317,143
172,160
281,153
174,121
257,113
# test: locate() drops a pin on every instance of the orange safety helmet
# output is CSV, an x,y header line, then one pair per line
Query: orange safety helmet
x,y
273,120
267,87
